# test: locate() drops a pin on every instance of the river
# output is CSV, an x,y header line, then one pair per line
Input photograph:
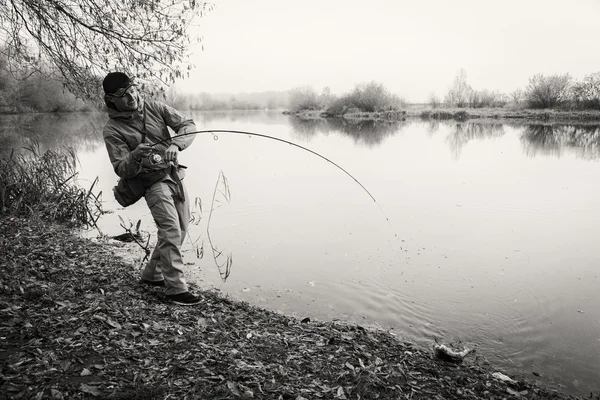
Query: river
x,y
481,233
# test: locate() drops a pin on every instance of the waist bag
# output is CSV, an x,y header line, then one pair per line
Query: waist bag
x,y
129,191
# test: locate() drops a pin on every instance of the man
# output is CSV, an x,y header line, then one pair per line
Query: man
x,y
134,125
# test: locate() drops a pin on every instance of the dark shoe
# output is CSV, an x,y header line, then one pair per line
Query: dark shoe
x,y
184,299
153,283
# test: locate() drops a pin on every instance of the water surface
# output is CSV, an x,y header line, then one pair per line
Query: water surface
x,y
480,233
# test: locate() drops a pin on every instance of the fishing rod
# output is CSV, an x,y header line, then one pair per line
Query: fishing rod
x,y
215,131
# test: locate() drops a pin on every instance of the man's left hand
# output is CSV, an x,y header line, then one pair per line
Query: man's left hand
x,y
171,153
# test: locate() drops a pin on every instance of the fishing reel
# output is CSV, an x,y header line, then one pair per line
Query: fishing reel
x,y
155,158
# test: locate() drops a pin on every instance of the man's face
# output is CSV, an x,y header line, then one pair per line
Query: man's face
x,y
128,101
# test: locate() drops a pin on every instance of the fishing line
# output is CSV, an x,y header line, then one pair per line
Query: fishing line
x,y
214,131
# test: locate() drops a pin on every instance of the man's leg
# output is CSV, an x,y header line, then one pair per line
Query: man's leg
x,y
153,270
166,257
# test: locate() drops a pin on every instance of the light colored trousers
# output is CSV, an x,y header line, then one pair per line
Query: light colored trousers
x,y
172,218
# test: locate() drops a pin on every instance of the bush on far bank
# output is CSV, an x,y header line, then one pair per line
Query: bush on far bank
x,y
548,91
365,97
554,91
304,98
586,94
486,98
371,97
560,91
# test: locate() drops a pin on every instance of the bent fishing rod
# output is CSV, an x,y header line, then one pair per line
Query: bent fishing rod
x,y
214,132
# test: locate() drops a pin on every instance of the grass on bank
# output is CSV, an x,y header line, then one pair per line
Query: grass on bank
x,y
41,184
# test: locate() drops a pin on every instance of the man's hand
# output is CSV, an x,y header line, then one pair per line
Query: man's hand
x,y
171,153
141,151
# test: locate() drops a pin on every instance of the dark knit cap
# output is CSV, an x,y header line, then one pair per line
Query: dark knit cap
x,y
115,81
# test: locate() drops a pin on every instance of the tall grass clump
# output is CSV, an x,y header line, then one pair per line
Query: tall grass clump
x,y
36,184
366,97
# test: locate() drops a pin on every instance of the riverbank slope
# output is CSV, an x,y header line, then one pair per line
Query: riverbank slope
x,y
75,323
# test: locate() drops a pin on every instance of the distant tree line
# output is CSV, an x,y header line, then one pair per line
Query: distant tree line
x,y
554,91
269,100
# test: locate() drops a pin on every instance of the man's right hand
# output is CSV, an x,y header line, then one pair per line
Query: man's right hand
x,y
141,151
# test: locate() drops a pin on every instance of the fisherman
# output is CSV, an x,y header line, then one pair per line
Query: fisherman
x,y
134,125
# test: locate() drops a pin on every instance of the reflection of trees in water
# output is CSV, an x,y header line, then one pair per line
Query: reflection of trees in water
x,y
366,132
305,128
202,118
554,139
80,131
464,132
433,125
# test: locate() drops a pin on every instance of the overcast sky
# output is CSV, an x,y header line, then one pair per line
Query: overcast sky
x,y
413,47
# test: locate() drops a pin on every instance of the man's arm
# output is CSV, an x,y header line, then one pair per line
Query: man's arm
x,y
180,124
122,159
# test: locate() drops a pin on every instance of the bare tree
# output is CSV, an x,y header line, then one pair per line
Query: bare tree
x,y
516,96
81,40
326,97
458,94
474,99
434,100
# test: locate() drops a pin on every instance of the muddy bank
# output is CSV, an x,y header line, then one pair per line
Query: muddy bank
x,y
76,324
462,114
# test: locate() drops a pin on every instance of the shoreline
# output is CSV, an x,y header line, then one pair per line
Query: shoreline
x,y
75,323
498,115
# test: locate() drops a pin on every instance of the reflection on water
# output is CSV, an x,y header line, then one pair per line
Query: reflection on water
x,y
554,139
82,131
369,133
537,139
433,125
246,116
463,133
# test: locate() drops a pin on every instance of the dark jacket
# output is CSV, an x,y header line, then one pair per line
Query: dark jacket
x,y
123,132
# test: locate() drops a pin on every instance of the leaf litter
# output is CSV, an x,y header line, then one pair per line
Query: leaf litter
x,y
76,324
